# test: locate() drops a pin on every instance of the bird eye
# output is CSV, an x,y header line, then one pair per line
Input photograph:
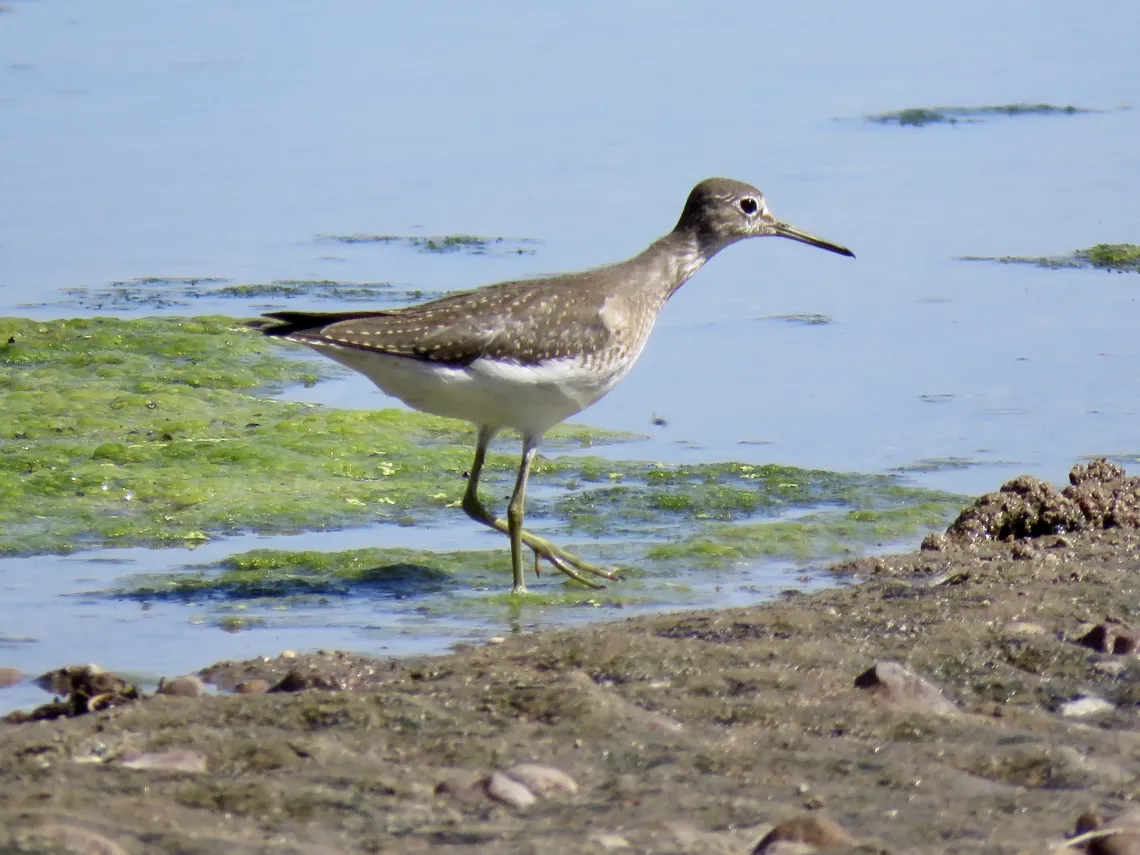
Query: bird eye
x,y
748,205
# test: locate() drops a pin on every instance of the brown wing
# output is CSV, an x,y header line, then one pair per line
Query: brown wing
x,y
524,322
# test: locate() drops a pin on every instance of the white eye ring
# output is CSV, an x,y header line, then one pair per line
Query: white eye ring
x,y
749,206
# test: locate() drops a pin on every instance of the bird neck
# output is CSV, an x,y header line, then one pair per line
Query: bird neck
x,y
671,260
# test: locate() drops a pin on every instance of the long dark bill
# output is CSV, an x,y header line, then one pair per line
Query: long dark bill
x,y
784,230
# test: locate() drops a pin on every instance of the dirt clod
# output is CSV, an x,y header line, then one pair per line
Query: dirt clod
x,y
808,830
87,688
1099,496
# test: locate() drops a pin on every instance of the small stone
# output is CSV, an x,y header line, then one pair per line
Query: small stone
x,y
542,780
252,687
173,760
1086,706
1125,644
810,829
496,639
10,677
509,791
288,654
896,684
101,701
1111,636
610,842
1126,840
182,687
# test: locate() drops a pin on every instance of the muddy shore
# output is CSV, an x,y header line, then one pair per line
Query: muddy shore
x,y
1012,711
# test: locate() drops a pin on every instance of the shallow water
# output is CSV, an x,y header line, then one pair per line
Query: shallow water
x,y
209,139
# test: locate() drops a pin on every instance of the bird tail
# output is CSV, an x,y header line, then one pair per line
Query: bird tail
x,y
288,323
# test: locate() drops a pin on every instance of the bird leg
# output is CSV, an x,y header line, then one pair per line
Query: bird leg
x,y
564,561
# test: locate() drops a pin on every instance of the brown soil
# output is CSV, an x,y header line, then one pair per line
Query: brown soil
x,y
688,733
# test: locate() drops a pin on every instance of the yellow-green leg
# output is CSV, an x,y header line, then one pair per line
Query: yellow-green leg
x,y
562,560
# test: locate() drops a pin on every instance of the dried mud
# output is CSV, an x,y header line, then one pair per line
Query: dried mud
x,y
976,696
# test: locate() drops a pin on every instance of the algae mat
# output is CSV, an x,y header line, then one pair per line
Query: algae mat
x,y
166,431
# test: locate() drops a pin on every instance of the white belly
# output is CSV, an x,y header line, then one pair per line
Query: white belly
x,y
527,398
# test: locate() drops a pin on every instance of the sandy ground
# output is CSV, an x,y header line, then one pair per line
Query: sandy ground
x,y
1014,711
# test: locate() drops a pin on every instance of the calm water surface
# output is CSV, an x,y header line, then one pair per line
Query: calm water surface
x,y
220,139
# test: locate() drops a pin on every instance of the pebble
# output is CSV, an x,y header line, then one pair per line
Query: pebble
x,y
252,687
895,683
509,791
182,687
810,829
173,760
10,677
542,780
610,842
1086,706
1111,636
1126,842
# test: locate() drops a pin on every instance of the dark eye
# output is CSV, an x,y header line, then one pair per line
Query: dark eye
x,y
748,205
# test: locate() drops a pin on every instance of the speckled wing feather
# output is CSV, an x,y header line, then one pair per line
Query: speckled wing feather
x,y
552,318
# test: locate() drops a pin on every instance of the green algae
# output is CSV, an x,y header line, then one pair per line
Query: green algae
x,y
444,244
158,431
296,577
812,537
151,293
938,464
645,568
810,319
651,498
275,573
1113,257
917,117
150,431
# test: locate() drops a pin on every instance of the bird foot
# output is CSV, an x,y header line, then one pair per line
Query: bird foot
x,y
568,563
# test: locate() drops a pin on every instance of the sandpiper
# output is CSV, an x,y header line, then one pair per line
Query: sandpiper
x,y
529,354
